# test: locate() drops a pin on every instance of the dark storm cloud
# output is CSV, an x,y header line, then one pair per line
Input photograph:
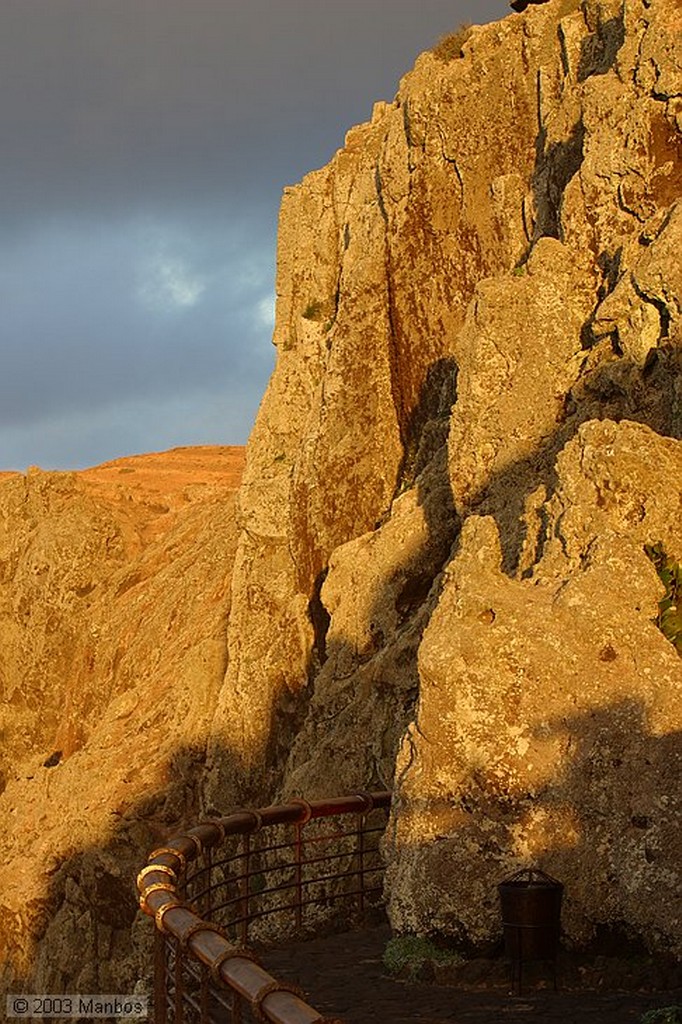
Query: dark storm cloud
x,y
144,309
107,101
145,147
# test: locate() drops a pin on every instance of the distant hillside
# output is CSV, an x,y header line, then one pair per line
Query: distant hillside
x,y
114,598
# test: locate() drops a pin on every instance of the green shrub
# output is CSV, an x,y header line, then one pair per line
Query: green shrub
x,y
669,618
664,1015
408,954
314,310
449,47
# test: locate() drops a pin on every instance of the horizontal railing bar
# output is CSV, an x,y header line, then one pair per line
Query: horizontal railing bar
x,y
306,840
262,872
330,898
199,894
305,861
355,873
237,823
264,869
163,885
292,813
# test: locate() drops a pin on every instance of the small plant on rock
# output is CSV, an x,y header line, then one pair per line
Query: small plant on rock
x,y
669,618
663,1015
408,955
449,47
313,310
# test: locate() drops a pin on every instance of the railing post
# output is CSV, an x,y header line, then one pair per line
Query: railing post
x,y
160,968
208,861
361,854
299,875
179,987
244,889
204,993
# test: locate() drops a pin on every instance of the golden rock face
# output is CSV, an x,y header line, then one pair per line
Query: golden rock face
x,y
113,617
550,734
435,575
491,265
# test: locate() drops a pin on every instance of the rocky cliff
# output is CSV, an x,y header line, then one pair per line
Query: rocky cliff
x,y
471,435
463,478
114,596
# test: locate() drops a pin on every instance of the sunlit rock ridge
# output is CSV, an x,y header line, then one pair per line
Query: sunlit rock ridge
x,y
472,432
114,597
435,578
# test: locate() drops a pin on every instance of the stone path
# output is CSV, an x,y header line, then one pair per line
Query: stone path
x,y
343,976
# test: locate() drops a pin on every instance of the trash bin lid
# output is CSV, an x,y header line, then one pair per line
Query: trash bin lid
x,y
531,877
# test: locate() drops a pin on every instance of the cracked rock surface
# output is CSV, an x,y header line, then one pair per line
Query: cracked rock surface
x,y
114,596
478,301
435,575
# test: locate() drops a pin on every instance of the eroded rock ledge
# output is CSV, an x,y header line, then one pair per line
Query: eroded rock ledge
x,y
472,431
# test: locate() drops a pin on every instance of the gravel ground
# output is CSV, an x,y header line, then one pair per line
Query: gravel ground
x,y
343,976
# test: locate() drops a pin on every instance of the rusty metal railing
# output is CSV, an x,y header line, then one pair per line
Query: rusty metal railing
x,y
233,883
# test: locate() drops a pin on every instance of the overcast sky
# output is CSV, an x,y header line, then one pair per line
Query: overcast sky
x,y
146,144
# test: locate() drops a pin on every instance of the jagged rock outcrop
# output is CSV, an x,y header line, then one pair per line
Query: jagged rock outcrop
x,y
549,724
440,580
479,301
114,597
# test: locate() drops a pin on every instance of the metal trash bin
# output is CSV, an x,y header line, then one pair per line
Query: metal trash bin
x,y
531,918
